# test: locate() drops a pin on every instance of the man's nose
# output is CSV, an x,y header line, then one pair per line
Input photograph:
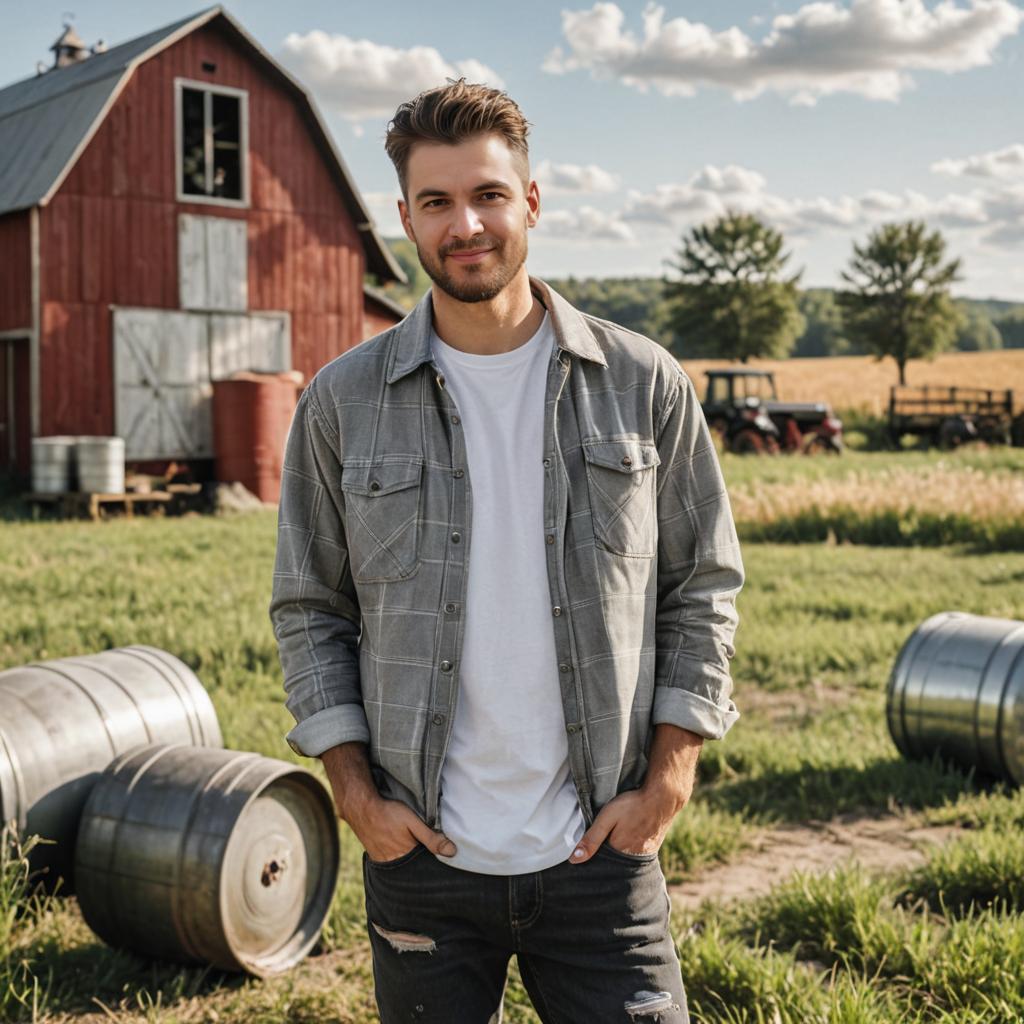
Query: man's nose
x,y
465,222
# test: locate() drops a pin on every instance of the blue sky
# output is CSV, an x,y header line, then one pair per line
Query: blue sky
x,y
826,118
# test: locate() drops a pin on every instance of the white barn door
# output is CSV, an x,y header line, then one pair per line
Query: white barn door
x,y
162,390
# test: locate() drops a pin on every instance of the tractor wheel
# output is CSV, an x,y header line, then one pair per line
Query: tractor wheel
x,y
815,444
750,442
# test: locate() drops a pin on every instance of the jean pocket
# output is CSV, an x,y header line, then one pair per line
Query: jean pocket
x,y
623,857
382,519
397,862
620,480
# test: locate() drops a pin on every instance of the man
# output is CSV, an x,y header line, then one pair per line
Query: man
x,y
505,601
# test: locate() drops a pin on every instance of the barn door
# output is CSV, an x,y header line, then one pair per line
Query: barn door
x,y
15,417
212,262
163,392
259,342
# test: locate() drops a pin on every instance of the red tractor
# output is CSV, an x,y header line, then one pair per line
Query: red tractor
x,y
743,407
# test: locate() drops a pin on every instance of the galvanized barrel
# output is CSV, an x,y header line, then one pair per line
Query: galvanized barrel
x,y
100,464
208,856
62,721
957,689
53,464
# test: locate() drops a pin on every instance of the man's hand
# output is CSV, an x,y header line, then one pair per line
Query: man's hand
x,y
637,821
386,828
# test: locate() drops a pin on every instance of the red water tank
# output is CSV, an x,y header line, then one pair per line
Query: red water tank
x,y
251,416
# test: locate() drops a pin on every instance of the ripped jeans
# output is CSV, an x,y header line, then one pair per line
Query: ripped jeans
x,y
592,941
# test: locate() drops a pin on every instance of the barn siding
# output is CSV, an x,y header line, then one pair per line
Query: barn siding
x,y
109,236
15,272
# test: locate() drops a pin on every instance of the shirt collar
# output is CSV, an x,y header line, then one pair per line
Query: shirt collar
x,y
410,346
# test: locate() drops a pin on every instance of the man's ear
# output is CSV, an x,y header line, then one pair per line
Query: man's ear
x,y
532,204
403,212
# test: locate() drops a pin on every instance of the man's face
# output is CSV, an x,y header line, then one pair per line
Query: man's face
x,y
467,213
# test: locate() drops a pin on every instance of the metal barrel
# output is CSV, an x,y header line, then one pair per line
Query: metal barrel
x,y
61,723
100,464
209,856
53,464
957,689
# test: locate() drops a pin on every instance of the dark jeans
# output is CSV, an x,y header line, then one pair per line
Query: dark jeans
x,y
592,941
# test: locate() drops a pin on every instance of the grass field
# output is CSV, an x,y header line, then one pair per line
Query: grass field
x,y
821,625
861,382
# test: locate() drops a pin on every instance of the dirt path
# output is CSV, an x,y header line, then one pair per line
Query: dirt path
x,y
881,844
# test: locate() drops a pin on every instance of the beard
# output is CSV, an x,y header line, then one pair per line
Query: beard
x,y
479,285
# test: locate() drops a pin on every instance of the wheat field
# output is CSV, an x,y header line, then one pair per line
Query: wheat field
x,y
862,382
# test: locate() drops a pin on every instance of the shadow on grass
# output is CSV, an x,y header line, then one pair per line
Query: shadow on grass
x,y
91,976
819,793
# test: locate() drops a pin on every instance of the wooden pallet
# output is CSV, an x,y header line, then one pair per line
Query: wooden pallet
x,y
77,504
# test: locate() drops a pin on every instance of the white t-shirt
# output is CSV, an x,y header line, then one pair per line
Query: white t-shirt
x,y
507,797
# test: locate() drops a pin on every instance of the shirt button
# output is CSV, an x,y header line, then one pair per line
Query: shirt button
x,y
450,607
570,729
550,538
547,462
374,485
446,666
627,461
459,473
556,611
455,419
456,537
438,719
564,667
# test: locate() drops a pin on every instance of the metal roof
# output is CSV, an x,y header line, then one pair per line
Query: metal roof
x,y
385,300
47,121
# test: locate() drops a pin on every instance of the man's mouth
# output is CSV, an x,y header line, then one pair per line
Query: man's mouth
x,y
468,255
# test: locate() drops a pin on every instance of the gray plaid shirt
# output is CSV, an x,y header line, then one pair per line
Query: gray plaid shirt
x,y
374,533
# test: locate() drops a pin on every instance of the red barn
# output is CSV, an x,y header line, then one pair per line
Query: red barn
x,y
172,210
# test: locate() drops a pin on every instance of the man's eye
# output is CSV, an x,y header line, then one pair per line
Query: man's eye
x,y
490,195
433,202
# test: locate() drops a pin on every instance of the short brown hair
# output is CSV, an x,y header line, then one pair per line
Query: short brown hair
x,y
451,114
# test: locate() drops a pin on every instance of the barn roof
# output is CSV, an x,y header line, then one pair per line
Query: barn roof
x,y
47,121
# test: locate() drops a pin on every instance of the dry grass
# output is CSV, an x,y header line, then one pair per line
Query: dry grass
x,y
963,491
861,382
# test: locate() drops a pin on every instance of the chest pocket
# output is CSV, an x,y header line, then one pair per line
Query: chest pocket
x,y
620,479
382,519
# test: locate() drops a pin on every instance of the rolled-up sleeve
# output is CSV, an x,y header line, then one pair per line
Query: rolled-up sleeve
x,y
700,572
314,609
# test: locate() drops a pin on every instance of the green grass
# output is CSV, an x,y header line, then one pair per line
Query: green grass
x,y
820,628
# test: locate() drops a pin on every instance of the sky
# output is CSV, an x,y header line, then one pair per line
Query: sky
x,y
824,118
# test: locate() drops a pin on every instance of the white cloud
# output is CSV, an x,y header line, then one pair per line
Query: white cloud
x,y
868,48
360,79
575,179
585,224
999,163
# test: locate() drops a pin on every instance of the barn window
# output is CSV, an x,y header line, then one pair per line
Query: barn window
x,y
211,144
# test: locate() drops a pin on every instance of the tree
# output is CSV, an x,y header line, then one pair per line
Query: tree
x,y
977,332
823,333
730,300
898,303
633,302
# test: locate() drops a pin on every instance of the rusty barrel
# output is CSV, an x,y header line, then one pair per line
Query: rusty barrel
x,y
61,723
957,689
209,856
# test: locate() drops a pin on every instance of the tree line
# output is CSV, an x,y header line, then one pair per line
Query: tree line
x,y
728,295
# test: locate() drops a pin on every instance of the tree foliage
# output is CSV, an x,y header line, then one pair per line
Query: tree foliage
x,y
634,302
731,300
977,332
898,302
823,330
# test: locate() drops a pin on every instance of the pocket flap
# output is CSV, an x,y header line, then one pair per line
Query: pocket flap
x,y
386,478
624,455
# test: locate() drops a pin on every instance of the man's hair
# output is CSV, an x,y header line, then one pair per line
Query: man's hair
x,y
451,114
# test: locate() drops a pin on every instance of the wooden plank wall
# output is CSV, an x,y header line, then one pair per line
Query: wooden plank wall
x,y
109,236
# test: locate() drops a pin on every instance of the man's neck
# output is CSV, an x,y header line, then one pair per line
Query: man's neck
x,y
501,324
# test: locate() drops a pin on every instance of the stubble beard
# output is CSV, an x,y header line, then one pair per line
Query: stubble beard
x,y
480,285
